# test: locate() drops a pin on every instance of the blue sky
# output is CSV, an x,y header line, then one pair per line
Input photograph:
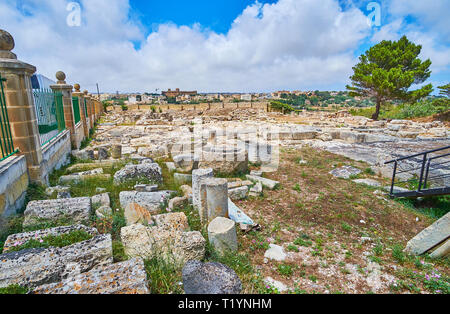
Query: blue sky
x,y
218,15
219,46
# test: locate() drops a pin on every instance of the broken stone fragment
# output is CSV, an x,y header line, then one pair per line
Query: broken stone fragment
x,y
146,188
172,221
171,245
239,183
258,173
210,278
151,201
369,182
222,235
224,159
185,163
275,284
85,154
36,267
178,202
56,189
101,199
102,153
21,238
187,191
78,178
430,237
268,183
127,277
345,172
442,251
63,195
239,193
256,190
151,172
134,213
181,178
104,211
275,252
107,164
171,166
74,209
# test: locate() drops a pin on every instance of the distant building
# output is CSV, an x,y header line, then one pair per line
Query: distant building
x,y
138,98
246,97
173,94
104,97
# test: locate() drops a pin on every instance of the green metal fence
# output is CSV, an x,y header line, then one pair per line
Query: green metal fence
x,y
76,109
85,108
49,113
6,142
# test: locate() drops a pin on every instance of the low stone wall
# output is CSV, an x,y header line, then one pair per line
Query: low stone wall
x,y
202,106
56,153
79,134
13,185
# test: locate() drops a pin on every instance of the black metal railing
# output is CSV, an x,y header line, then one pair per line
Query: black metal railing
x,y
422,174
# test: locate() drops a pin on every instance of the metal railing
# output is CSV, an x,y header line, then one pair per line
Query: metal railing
x,y
6,141
422,174
49,113
76,109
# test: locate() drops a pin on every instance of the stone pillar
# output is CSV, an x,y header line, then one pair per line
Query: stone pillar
x,y
66,91
213,198
80,95
89,109
116,151
20,106
222,235
197,176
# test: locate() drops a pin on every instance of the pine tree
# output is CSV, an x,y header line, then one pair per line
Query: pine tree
x,y
387,70
445,90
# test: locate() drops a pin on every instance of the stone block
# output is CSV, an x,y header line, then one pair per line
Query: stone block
x,y
76,209
222,234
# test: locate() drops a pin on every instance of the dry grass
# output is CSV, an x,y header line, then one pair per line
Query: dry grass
x,y
330,216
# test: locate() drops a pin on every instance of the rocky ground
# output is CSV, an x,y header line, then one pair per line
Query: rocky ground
x,y
306,193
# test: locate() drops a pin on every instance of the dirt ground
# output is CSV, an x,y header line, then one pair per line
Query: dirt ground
x,y
340,236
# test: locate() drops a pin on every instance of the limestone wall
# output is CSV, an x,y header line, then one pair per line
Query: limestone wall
x,y
56,153
13,185
79,134
202,106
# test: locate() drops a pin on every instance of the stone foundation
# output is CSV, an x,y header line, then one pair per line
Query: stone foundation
x,y
13,186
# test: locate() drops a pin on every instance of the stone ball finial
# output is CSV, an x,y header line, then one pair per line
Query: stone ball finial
x,y
6,41
60,76
77,87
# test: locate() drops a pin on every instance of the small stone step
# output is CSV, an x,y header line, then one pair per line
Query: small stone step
x,y
21,238
128,277
36,267
76,209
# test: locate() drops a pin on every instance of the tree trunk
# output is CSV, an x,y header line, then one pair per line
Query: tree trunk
x,y
377,110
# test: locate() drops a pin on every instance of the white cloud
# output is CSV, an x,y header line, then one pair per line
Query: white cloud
x,y
294,44
430,28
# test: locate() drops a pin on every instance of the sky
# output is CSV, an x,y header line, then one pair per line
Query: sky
x,y
220,45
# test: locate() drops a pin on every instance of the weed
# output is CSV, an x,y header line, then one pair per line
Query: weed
x,y
285,270
14,289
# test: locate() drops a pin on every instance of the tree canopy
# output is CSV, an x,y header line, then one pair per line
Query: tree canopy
x,y
445,90
386,72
